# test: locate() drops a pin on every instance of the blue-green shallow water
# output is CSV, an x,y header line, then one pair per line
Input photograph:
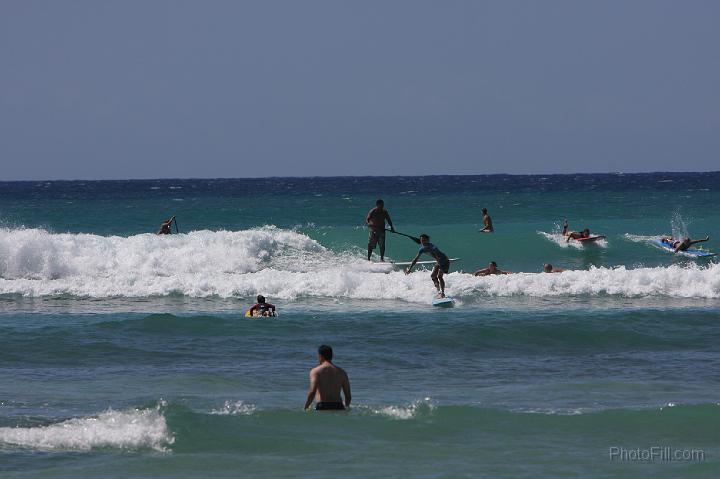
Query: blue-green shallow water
x,y
124,354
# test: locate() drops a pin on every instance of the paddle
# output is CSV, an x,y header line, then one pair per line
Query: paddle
x,y
177,230
417,240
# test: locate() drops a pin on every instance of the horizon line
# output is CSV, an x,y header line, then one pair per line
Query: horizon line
x,y
617,173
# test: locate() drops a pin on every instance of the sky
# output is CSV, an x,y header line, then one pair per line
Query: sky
x,y
243,88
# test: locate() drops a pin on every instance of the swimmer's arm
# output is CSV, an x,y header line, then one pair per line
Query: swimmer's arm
x,y
481,272
367,218
312,391
271,306
253,308
346,391
407,271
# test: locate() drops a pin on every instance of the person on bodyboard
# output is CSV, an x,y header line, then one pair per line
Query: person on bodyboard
x,y
261,308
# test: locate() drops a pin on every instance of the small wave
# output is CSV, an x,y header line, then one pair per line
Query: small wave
x,y
641,238
559,239
420,407
237,408
134,429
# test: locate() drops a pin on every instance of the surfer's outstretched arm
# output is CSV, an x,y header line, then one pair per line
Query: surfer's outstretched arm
x,y
409,269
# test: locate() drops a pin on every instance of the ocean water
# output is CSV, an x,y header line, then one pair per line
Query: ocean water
x,y
126,354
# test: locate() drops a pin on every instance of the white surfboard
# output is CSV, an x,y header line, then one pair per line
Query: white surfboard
x,y
408,263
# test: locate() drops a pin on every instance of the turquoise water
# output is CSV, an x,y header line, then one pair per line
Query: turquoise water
x,y
125,354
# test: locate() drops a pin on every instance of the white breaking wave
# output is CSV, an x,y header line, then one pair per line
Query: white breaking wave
x,y
418,407
137,428
287,265
561,241
672,281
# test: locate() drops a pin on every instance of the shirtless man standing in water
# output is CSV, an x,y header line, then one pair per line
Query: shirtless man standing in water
x,y
487,222
326,382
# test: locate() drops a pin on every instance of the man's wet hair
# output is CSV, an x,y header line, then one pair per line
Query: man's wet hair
x,y
326,352
379,202
484,210
547,267
493,263
424,236
260,298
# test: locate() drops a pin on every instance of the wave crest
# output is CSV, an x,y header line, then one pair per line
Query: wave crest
x,y
286,265
134,429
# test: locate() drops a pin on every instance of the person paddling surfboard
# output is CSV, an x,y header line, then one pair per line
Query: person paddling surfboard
x,y
576,235
683,244
492,269
261,308
375,221
165,228
442,265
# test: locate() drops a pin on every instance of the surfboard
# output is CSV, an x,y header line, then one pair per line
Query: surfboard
x,y
695,253
270,314
589,239
408,263
446,302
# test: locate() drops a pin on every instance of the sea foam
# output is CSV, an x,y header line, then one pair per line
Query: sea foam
x,y
134,429
287,265
409,411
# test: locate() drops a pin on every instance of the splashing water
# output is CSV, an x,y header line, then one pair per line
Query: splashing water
x,y
678,225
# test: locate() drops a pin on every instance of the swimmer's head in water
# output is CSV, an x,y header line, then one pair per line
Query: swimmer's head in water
x,y
586,232
260,298
484,210
325,352
547,268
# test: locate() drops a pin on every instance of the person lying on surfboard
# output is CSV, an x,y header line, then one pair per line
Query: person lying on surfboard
x,y
574,234
442,265
548,268
490,270
682,245
261,308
